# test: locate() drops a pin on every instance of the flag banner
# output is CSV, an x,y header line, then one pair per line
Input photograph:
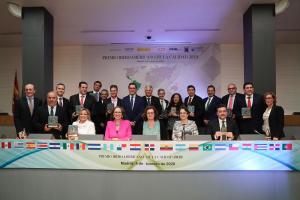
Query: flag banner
x,y
150,155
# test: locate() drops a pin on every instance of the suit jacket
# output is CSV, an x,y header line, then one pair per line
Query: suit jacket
x,y
88,103
138,108
22,117
199,110
66,108
211,112
99,97
214,126
276,122
119,102
154,102
99,116
41,119
236,104
249,126
124,132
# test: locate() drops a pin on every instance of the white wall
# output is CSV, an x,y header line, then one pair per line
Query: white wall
x,y
68,62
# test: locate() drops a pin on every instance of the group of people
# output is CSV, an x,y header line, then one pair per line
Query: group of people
x,y
94,112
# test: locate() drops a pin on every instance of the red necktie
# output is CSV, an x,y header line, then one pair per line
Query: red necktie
x,y
249,102
82,100
190,100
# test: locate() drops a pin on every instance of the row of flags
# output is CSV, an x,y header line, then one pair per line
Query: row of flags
x,y
148,147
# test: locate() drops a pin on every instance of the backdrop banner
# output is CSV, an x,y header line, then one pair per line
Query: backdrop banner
x,y
151,155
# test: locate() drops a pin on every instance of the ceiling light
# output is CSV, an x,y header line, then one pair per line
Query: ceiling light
x,y
281,6
14,9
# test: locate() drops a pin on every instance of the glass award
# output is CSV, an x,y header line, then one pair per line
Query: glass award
x,y
77,109
173,110
94,95
224,132
246,113
229,112
52,121
191,108
72,132
109,107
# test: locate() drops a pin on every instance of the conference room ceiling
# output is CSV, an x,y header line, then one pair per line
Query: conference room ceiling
x,y
96,22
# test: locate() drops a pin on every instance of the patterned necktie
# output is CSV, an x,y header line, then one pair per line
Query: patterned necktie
x,y
52,111
208,102
82,100
148,101
131,101
231,102
30,104
60,102
249,102
190,100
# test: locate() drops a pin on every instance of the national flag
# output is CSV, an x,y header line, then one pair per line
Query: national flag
x,y
166,147
287,146
193,147
121,147
30,145
149,147
42,145
180,147
273,147
80,146
6,145
207,147
108,147
19,145
220,147
54,145
70,146
16,93
234,147
246,146
260,146
94,146
135,147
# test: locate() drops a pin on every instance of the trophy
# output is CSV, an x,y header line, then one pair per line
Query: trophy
x,y
53,122
173,110
224,132
246,113
229,113
191,108
72,132
109,107
77,109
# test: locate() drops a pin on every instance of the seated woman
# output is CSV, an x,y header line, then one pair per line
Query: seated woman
x,y
118,129
84,123
151,124
273,118
173,112
184,126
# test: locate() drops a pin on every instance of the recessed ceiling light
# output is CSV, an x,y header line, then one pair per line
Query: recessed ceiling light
x,y
14,9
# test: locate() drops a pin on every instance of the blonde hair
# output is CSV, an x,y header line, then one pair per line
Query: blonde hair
x,y
87,112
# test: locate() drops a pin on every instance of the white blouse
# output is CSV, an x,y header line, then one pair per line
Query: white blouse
x,y
266,126
86,128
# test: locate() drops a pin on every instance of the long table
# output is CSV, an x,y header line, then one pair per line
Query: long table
x,y
150,155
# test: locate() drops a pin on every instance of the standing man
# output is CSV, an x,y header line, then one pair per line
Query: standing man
x,y
82,99
41,118
232,100
96,90
211,103
196,107
151,100
100,115
252,109
25,109
163,117
62,101
134,106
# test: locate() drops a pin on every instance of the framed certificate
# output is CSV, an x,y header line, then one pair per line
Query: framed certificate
x,y
72,130
77,109
246,113
173,109
52,121
109,107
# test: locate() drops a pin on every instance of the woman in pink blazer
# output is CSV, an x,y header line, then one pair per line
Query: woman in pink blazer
x,y
118,129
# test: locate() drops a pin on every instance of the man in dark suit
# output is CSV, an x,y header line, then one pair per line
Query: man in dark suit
x,y
81,99
62,101
211,103
96,91
51,109
151,100
196,103
255,103
163,117
233,101
222,125
25,109
134,106
100,114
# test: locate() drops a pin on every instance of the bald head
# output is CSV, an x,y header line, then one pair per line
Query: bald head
x,y
51,98
231,88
